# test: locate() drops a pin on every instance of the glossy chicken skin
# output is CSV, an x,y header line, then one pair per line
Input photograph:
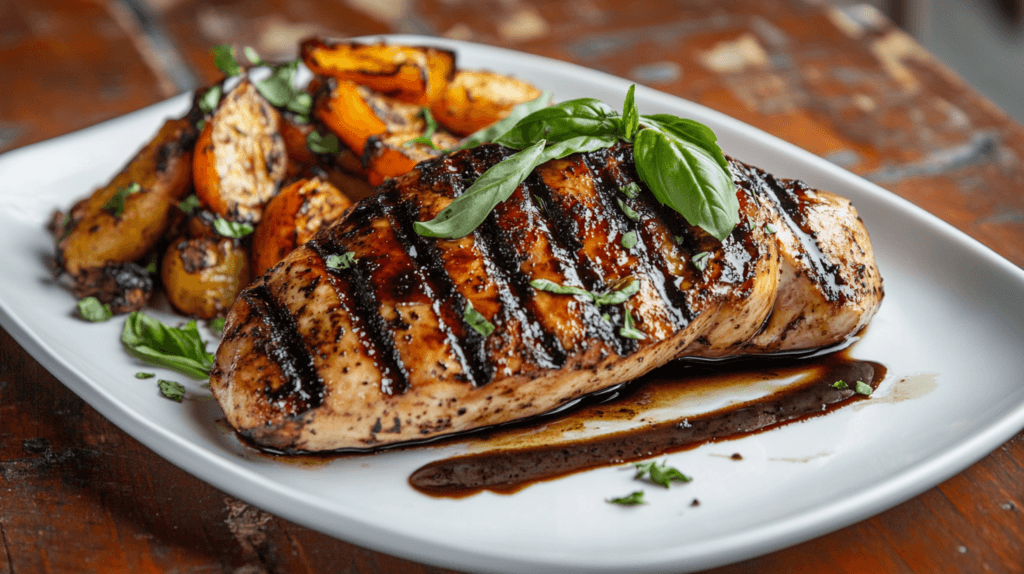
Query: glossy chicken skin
x,y
381,351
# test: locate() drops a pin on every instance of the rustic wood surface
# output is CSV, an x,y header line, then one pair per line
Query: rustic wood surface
x,y
77,494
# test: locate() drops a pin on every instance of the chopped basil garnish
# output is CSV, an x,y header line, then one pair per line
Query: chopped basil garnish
x,y
224,59
862,388
498,129
428,131
632,499
115,205
216,324
607,318
627,210
678,159
477,321
552,287
769,228
630,190
180,349
318,143
252,56
172,390
343,261
619,295
231,228
661,475
840,385
629,330
540,202
700,260
279,89
613,297
189,204
90,309
209,100
629,240
144,375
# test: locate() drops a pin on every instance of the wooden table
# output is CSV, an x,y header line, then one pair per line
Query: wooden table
x,y
77,494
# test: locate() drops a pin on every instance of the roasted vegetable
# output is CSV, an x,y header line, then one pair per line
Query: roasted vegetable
x,y
355,113
240,158
411,74
293,217
391,155
124,220
474,100
202,275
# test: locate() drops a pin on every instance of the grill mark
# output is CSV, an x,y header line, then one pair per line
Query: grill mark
x,y
394,377
608,165
503,265
285,346
467,344
785,195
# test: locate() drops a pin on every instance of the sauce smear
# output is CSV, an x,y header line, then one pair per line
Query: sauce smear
x,y
509,468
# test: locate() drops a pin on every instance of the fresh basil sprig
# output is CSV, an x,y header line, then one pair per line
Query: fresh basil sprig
x,y
180,349
232,229
677,158
498,129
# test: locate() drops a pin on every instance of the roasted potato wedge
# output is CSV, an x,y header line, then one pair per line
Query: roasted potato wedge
x,y
411,74
293,217
354,113
124,220
391,155
241,157
203,275
474,100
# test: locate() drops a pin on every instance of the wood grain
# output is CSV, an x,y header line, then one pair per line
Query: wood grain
x,y
79,495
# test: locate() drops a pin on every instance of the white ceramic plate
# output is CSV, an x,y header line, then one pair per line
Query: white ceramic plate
x,y
952,316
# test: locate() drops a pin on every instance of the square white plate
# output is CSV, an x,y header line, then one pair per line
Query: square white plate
x,y
953,313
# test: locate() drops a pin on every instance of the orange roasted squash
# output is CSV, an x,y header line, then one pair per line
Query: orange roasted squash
x,y
391,155
411,74
474,100
354,113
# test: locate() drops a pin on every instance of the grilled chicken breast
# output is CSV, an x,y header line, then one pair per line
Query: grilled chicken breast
x,y
378,347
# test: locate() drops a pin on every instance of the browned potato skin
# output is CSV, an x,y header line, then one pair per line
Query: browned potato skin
x,y
203,275
293,217
163,171
474,100
241,157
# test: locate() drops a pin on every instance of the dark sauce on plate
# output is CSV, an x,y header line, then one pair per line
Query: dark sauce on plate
x,y
518,457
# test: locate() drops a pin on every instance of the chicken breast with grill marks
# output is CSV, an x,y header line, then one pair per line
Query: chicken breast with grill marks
x,y
367,336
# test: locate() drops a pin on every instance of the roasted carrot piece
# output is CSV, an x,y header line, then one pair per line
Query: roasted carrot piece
x,y
293,217
354,113
125,219
411,74
241,157
474,100
391,155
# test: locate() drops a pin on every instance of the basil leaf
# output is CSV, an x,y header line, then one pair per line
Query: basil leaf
x,y
253,57
691,131
630,115
552,287
632,499
189,204
172,390
630,190
301,103
224,59
627,210
840,385
343,261
477,321
661,475
231,228
769,228
144,375
863,388
180,349
90,309
209,100
620,296
700,260
629,240
579,144
688,179
564,121
470,209
115,205
279,87
629,330
500,128
431,127
318,143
